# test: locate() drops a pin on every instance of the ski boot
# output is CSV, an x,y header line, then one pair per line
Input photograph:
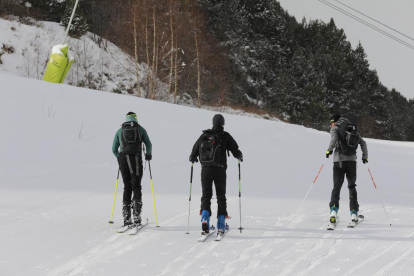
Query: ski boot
x,y
221,225
137,208
354,215
205,221
126,213
334,214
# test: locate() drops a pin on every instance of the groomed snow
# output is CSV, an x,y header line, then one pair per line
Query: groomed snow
x,y
58,177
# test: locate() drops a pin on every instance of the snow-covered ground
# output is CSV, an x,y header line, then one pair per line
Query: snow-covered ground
x,y
58,177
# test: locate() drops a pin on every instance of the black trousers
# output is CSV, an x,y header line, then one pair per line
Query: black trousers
x,y
218,176
132,181
348,169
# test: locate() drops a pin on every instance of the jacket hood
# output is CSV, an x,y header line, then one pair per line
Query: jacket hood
x,y
218,129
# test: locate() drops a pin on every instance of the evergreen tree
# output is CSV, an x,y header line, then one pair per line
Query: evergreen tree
x,y
53,9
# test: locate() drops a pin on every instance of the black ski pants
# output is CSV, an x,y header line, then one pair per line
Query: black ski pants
x,y
218,176
132,181
349,168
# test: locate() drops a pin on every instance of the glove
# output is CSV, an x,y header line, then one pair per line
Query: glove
x,y
328,152
241,157
148,157
193,159
364,160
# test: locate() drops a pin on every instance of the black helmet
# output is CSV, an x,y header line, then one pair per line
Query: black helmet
x,y
218,120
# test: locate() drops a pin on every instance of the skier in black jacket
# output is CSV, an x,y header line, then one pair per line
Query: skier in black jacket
x,y
212,147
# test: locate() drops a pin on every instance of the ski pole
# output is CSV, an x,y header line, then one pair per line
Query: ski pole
x,y
240,228
311,186
113,205
189,203
373,182
153,197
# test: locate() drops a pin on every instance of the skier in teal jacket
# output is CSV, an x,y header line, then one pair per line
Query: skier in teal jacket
x,y
127,148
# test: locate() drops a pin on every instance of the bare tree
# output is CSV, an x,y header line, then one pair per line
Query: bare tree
x,y
172,49
153,57
148,59
136,54
175,72
39,56
198,65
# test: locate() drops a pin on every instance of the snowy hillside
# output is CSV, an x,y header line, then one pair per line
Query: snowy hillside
x,y
25,49
103,68
58,177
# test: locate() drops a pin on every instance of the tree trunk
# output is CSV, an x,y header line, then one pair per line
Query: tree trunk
x,y
175,71
198,66
148,60
153,58
172,50
136,54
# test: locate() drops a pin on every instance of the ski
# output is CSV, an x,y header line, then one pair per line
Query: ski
x,y
352,224
125,228
205,235
331,226
220,235
138,227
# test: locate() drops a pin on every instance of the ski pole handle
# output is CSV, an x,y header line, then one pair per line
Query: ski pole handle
x,y
191,179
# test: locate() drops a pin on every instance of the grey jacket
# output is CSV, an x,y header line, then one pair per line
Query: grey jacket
x,y
334,144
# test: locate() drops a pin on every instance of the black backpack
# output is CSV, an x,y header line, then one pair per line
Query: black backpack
x,y
131,139
348,138
210,148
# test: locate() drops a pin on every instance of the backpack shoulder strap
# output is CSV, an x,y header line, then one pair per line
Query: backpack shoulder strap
x,y
139,132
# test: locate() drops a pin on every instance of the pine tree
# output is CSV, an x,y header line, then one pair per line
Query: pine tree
x,y
53,9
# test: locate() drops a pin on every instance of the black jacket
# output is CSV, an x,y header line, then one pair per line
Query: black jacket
x,y
227,144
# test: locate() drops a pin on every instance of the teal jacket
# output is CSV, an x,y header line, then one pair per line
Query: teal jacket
x,y
117,140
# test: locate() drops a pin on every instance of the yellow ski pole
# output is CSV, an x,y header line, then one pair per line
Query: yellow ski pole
x,y
153,197
113,205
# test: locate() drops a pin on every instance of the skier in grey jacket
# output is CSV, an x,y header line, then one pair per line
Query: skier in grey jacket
x,y
344,159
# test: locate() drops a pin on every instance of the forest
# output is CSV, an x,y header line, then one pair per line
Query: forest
x,y
244,54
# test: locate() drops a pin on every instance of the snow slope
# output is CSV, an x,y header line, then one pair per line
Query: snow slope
x,y
58,177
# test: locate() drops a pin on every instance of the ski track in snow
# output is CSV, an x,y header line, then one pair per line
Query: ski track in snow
x,y
397,248
246,259
55,213
116,244
293,252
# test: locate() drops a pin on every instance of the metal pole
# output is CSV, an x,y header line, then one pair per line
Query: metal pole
x,y
240,228
311,186
373,182
189,203
153,197
113,204
70,21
